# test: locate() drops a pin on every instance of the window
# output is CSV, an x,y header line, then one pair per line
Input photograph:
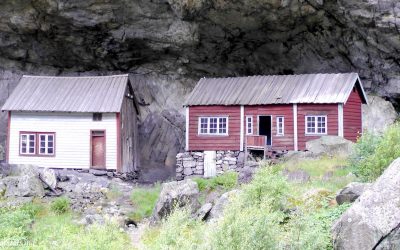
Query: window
x,y
37,143
316,125
249,125
213,126
97,117
28,144
280,125
46,144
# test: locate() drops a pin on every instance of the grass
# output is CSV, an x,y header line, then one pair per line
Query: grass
x,y
225,181
34,226
144,200
259,216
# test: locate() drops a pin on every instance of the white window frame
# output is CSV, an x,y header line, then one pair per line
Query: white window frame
x,y
27,143
249,124
280,121
46,146
208,125
316,124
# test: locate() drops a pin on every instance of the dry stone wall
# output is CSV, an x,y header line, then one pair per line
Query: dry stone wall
x,y
191,164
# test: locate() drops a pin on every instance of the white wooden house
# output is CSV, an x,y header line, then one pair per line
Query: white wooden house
x,y
73,122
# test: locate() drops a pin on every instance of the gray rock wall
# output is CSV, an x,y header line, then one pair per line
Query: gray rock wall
x,y
191,164
173,43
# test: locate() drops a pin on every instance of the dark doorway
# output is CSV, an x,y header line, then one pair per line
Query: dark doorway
x,y
264,128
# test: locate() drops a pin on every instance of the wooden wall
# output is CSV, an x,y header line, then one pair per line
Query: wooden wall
x,y
129,158
284,142
352,116
330,110
211,142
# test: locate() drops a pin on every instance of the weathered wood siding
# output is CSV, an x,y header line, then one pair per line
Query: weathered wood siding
x,y
210,142
352,116
279,142
330,110
129,135
72,139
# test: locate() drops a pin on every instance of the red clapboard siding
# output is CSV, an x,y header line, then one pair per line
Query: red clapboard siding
x,y
278,142
330,110
352,116
209,142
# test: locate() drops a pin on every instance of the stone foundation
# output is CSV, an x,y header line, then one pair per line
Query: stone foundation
x,y
191,164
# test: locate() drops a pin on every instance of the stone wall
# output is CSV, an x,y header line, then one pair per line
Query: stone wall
x,y
191,164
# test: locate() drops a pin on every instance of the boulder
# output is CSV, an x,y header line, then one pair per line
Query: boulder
x,y
378,114
50,177
351,192
23,186
246,174
330,145
297,176
372,222
176,194
96,172
220,204
204,211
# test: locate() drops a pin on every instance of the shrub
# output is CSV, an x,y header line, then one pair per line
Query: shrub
x,y
225,181
312,230
60,205
144,200
14,226
178,231
373,154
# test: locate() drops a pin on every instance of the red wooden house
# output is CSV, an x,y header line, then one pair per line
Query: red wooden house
x,y
281,112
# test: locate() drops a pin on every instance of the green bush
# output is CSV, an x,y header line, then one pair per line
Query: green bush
x,y
14,226
144,200
225,181
60,205
373,154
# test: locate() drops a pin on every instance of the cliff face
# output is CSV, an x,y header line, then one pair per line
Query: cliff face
x,y
167,45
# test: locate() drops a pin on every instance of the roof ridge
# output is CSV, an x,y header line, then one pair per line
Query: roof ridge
x,y
36,76
229,77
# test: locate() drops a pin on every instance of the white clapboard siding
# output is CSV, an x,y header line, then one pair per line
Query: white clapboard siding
x,y
72,138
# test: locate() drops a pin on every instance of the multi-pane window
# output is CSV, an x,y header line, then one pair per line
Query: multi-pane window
x,y
213,125
28,144
316,125
46,144
249,125
34,143
280,125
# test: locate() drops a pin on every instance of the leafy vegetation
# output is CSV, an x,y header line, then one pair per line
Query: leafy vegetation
x,y
262,216
60,205
144,200
373,153
225,181
33,227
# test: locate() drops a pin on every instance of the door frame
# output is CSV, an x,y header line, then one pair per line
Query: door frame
x,y
214,154
91,148
258,127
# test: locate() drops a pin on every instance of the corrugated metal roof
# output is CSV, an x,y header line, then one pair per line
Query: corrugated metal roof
x,y
68,94
275,89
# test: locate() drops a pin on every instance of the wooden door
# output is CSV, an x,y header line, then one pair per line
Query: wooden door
x,y
98,150
210,164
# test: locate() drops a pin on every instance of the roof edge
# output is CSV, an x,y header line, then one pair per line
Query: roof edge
x,y
36,76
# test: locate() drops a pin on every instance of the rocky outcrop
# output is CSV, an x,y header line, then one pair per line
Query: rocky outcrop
x,y
330,145
351,192
372,222
174,195
296,176
168,45
378,114
217,210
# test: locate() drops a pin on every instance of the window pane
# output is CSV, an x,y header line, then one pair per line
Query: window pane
x,y
50,138
213,125
222,125
50,150
203,125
